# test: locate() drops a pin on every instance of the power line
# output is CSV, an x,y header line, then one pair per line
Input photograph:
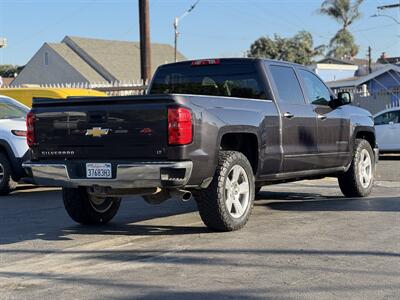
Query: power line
x,y
386,16
389,6
373,28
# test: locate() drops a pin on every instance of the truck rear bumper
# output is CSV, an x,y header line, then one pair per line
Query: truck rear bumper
x,y
126,176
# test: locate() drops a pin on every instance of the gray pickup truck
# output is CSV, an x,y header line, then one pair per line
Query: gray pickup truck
x,y
217,129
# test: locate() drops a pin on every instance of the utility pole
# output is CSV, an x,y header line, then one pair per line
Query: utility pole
x,y
176,24
176,21
369,60
3,42
145,50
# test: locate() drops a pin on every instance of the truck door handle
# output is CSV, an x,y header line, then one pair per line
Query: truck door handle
x,y
321,117
288,115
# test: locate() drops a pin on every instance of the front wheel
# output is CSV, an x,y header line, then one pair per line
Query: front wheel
x,y
227,202
358,181
85,208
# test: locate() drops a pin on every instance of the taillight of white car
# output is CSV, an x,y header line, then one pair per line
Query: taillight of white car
x,y
21,133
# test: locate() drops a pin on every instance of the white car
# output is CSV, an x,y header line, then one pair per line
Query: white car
x,y
387,128
13,146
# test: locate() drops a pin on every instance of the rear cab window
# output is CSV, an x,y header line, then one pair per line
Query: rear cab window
x,y
239,79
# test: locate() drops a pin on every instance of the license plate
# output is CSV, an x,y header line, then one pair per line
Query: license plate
x,y
98,170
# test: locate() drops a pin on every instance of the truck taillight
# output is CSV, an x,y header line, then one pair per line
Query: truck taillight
x,y
180,127
30,126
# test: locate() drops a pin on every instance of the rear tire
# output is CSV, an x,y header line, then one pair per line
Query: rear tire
x,y
227,202
87,209
358,181
7,185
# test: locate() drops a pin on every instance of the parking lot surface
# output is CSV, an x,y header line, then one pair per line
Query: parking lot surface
x,y
304,241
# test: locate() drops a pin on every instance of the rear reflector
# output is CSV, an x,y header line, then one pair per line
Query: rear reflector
x,y
180,127
205,62
30,126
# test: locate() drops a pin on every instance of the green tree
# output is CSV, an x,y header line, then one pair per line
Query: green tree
x,y
344,12
299,49
9,70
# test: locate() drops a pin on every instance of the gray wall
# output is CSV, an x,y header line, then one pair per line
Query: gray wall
x,y
56,71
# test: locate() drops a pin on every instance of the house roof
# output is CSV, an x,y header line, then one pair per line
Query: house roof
x,y
116,60
357,81
389,60
76,62
344,61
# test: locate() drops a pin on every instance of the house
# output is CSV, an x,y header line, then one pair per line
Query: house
x,y
87,60
384,59
6,81
381,79
330,69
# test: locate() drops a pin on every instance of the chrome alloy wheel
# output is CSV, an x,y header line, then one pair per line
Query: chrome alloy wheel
x,y
365,168
237,192
100,204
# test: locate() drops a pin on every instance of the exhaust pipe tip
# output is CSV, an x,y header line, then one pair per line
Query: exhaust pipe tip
x,y
182,195
186,196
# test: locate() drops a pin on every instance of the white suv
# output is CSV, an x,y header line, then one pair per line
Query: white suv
x,y
387,128
13,146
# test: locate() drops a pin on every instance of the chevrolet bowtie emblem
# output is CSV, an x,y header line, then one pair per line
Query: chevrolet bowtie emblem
x,y
97,131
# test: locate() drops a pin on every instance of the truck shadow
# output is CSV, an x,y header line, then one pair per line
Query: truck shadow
x,y
293,201
389,157
40,215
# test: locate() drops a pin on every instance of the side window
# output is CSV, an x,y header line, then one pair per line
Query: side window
x,y
317,92
397,120
379,119
288,86
388,117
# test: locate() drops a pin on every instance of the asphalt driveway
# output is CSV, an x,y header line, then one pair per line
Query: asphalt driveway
x,y
304,241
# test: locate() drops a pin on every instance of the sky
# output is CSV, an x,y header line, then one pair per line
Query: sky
x,y
215,28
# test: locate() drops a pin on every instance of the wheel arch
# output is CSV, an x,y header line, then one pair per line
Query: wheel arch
x,y
246,142
17,172
366,133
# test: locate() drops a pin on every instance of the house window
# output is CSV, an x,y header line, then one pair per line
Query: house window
x,y
46,58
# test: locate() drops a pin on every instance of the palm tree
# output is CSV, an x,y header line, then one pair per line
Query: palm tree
x,y
344,12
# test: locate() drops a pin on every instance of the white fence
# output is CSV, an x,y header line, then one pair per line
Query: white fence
x,y
117,88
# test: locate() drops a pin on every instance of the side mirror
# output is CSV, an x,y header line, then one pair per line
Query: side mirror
x,y
344,98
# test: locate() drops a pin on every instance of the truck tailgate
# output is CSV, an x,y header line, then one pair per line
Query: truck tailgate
x,y
114,128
